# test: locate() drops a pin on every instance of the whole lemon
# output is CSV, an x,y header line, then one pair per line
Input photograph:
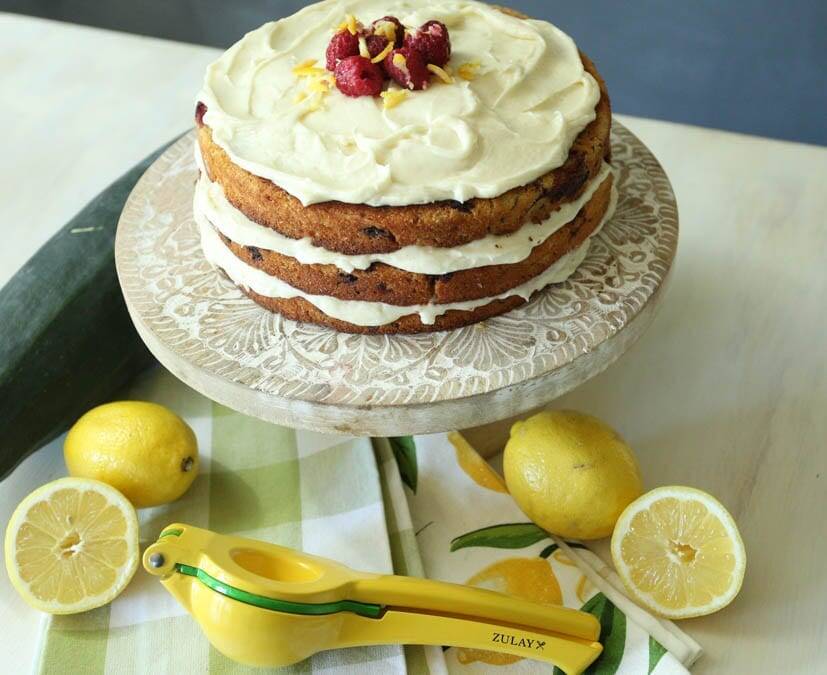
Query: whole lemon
x,y
570,473
142,449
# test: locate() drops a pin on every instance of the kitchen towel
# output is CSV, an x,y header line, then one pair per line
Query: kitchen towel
x,y
423,506
451,518
300,489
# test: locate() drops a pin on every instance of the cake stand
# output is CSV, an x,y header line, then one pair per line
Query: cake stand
x,y
211,336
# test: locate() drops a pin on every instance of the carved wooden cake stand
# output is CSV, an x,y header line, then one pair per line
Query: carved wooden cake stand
x,y
204,330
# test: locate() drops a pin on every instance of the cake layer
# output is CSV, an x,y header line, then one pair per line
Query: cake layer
x,y
359,312
378,317
384,283
513,122
357,229
492,249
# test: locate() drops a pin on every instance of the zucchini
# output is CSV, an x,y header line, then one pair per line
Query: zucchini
x,y
66,341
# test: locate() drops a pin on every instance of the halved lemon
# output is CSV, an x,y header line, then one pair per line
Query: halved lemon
x,y
72,545
679,552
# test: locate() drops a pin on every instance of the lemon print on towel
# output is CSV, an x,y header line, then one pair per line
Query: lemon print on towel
x,y
526,578
477,469
514,536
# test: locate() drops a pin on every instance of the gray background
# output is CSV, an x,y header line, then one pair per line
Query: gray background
x,y
754,66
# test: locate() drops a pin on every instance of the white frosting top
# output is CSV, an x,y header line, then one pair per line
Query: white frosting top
x,y
490,250
515,121
363,313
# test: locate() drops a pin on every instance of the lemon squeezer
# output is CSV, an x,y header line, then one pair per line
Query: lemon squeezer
x,y
267,605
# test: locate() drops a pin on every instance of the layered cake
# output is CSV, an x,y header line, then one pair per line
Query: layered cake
x,y
391,166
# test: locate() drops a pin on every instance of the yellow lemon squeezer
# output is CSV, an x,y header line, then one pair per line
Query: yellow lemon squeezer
x,y
265,605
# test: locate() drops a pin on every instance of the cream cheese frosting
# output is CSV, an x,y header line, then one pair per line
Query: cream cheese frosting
x,y
515,121
211,202
363,313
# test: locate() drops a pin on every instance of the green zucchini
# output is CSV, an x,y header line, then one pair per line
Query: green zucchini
x,y
66,341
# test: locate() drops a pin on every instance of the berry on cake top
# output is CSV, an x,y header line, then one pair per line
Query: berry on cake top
x,y
362,58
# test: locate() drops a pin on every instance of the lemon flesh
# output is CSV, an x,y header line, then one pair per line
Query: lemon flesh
x,y
679,552
570,473
144,450
71,546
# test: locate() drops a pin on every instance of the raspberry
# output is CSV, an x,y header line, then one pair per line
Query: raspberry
x,y
357,76
200,109
432,41
342,45
376,44
410,70
379,27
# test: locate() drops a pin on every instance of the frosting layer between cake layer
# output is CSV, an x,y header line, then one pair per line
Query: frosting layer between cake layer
x,y
511,124
210,202
375,313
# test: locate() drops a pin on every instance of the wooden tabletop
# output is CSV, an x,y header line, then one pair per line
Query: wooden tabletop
x,y
727,391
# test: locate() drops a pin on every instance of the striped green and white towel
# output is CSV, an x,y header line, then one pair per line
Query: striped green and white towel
x,y
309,491
453,521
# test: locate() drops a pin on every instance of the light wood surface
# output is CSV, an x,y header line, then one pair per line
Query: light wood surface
x,y
727,391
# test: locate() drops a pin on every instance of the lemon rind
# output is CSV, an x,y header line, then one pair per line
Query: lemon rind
x,y
715,507
90,602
